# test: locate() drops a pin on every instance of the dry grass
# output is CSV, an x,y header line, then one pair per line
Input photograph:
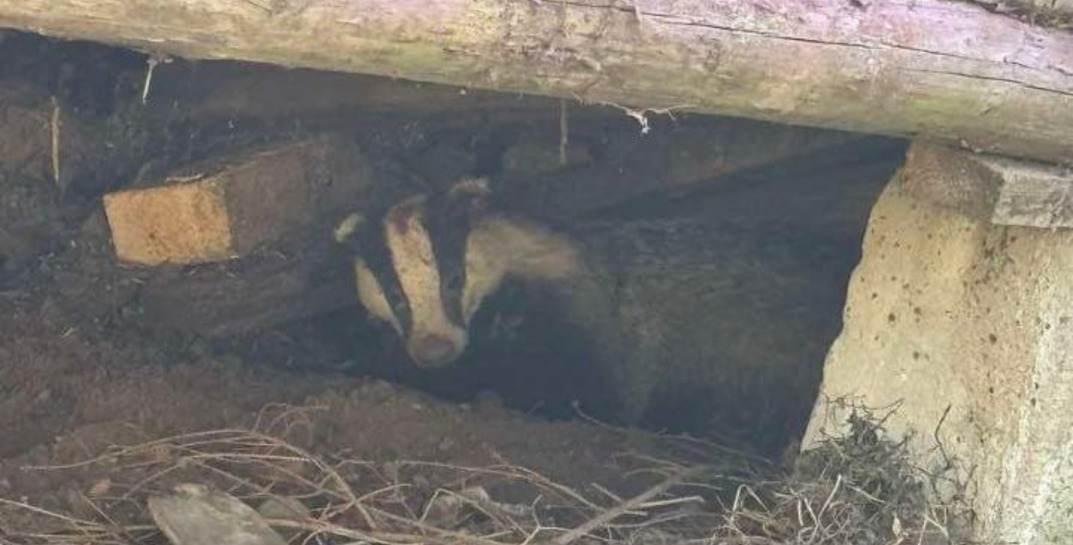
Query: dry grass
x,y
859,489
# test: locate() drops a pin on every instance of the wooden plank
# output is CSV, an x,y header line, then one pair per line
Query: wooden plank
x,y
947,70
217,91
260,291
228,208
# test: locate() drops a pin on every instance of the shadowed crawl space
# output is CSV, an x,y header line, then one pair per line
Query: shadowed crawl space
x,y
95,353
790,224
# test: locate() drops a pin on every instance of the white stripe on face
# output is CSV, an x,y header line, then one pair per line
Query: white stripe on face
x,y
499,246
433,339
372,295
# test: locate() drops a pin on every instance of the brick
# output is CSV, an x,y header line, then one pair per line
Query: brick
x,y
225,209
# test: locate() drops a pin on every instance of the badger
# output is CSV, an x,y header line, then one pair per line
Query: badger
x,y
705,326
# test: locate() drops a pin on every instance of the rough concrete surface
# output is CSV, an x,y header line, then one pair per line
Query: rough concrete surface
x,y
949,312
227,209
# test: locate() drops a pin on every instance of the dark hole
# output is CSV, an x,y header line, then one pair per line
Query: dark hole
x,y
816,202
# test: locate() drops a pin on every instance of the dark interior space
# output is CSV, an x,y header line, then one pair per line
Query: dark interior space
x,y
255,370
813,201
282,323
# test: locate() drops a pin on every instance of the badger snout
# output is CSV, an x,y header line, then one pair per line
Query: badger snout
x,y
434,350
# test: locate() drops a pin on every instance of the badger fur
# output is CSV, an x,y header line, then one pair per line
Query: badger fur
x,y
428,263
677,313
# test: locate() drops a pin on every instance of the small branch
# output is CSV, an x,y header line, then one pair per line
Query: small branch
x,y
627,506
151,62
55,127
564,132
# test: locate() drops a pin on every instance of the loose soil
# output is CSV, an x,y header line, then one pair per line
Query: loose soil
x,y
83,368
68,391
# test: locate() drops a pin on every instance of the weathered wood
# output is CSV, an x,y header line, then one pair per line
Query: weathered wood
x,y
227,208
213,91
258,292
948,70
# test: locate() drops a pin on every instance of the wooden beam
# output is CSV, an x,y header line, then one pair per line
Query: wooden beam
x,y
228,208
223,299
214,91
947,70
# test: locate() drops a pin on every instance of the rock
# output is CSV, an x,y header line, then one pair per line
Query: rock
x,y
966,326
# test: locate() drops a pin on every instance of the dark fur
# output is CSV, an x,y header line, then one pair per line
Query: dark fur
x,y
448,219
684,323
368,243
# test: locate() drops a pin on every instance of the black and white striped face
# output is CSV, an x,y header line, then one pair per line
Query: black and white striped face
x,y
426,266
411,271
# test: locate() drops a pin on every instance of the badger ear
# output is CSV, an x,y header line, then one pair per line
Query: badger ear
x,y
348,227
473,187
471,195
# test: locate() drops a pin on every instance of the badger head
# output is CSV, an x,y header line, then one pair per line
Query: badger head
x,y
427,263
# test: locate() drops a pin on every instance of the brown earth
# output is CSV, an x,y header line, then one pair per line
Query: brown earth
x,y
82,367
68,392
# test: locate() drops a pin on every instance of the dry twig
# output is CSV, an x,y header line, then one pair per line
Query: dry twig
x,y
857,489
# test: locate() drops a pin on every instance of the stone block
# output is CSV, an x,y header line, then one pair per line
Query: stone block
x,y
967,327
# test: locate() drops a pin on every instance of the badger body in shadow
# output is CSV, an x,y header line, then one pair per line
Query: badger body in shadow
x,y
707,327
690,325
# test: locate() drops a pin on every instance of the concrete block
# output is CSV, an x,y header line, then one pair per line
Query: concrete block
x,y
225,209
966,324
1006,191
1033,195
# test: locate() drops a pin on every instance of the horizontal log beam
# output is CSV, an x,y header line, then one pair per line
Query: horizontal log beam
x,y
948,70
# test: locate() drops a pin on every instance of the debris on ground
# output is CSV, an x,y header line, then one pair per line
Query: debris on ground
x,y
859,489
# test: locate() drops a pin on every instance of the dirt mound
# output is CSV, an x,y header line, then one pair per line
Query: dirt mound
x,y
93,430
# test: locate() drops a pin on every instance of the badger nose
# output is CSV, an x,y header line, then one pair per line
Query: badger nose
x,y
433,350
